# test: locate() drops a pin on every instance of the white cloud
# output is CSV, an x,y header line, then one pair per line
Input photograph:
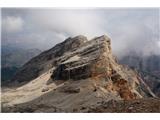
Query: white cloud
x,y
129,29
159,44
12,24
69,22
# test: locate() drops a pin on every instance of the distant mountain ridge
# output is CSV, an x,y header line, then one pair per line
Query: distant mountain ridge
x,y
13,58
148,67
16,57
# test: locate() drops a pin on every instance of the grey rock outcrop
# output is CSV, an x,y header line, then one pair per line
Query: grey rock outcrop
x,y
79,64
83,73
78,58
46,60
148,67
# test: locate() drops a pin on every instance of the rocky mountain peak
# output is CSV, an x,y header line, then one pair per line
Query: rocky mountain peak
x,y
70,44
75,41
94,60
77,72
80,37
103,37
78,58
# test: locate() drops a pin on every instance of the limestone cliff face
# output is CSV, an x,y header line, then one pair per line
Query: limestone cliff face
x,y
82,62
78,59
46,60
94,60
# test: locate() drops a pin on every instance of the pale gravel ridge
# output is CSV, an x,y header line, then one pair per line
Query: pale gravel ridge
x,y
29,91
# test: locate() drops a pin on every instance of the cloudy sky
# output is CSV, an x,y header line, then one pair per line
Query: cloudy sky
x,y
129,29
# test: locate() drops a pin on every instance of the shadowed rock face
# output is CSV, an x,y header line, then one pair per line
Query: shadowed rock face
x,y
148,67
81,63
94,60
46,60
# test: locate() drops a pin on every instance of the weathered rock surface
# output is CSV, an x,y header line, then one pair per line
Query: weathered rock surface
x,y
85,73
148,67
94,60
47,60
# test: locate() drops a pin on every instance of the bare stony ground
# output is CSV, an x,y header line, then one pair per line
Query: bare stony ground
x,y
81,96
27,92
150,105
87,79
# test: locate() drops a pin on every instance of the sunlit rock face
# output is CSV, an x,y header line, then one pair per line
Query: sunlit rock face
x,y
94,60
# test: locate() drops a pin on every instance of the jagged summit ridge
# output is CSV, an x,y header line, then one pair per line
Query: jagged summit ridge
x,y
78,64
78,58
75,73
48,59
